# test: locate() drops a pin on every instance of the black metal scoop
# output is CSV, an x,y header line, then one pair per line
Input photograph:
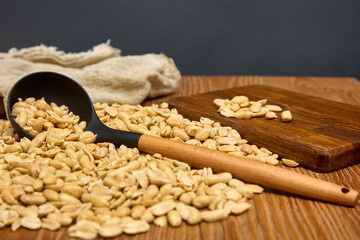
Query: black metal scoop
x,y
63,90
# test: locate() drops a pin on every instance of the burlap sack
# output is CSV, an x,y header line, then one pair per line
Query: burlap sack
x,y
105,75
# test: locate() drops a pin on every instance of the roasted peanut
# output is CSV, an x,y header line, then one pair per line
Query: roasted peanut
x,y
286,116
289,162
103,190
214,215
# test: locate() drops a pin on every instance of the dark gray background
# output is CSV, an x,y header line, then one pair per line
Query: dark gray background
x,y
308,37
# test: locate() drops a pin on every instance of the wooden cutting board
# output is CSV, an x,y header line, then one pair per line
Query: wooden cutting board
x,y
323,136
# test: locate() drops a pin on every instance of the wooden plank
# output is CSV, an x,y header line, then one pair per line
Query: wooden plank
x,y
323,136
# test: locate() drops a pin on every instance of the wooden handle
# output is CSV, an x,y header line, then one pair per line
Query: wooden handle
x,y
250,171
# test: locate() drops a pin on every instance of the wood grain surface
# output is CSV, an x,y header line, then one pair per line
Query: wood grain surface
x,y
274,214
319,136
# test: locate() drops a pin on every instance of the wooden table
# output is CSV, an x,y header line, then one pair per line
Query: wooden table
x,y
275,214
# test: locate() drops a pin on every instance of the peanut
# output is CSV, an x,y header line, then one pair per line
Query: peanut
x,y
50,224
110,230
161,221
241,107
162,207
201,201
137,226
67,179
289,162
215,215
32,199
7,197
270,115
174,218
286,116
239,208
255,107
30,222
194,217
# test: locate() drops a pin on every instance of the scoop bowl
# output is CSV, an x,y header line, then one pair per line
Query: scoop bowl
x,y
62,90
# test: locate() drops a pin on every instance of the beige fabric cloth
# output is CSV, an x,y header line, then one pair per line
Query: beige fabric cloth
x,y
105,75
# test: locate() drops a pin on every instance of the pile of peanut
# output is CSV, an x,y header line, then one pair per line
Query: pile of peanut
x,y
242,108
62,178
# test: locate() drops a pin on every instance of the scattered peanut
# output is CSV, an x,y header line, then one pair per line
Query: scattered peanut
x,y
110,230
62,178
286,116
161,221
30,222
174,218
289,162
194,217
240,208
214,215
134,227
241,107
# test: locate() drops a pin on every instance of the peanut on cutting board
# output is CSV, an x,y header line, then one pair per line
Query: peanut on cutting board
x,y
241,107
286,116
62,178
